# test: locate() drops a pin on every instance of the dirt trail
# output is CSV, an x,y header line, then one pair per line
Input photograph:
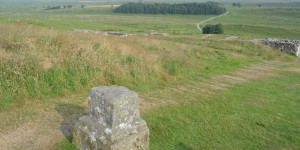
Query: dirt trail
x,y
200,23
53,121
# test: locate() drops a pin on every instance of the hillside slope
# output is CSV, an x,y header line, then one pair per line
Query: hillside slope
x,y
46,75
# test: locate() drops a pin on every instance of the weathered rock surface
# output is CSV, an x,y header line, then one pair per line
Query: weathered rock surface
x,y
113,121
288,46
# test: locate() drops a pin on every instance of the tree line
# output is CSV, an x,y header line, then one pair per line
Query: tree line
x,y
208,8
236,4
58,7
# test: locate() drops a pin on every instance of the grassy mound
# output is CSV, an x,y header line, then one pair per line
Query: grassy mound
x,y
43,63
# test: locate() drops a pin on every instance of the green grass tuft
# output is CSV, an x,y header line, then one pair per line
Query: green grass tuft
x,y
66,145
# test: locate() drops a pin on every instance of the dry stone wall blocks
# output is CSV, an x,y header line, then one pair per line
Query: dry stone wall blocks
x,y
285,45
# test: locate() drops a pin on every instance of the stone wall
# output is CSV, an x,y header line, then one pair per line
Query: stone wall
x,y
288,46
119,33
113,122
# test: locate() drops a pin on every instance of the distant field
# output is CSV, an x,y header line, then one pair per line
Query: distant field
x,y
246,22
99,6
262,22
104,20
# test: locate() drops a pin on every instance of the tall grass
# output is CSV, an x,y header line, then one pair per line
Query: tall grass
x,y
41,63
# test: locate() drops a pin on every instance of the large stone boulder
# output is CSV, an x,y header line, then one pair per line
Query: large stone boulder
x,y
284,45
113,121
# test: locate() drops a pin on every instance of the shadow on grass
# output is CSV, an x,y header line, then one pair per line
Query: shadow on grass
x,y
71,114
182,146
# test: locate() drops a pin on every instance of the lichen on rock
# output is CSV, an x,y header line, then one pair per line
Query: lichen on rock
x,y
113,121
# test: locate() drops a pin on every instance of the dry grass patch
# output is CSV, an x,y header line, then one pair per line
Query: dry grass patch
x,y
296,70
40,124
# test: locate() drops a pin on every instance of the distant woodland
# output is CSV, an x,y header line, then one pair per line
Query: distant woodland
x,y
58,7
208,8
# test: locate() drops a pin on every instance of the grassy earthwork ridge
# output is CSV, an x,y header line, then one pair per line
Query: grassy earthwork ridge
x,y
44,63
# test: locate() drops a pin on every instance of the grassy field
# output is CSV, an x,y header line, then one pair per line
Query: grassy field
x,y
262,114
46,71
262,22
104,20
246,22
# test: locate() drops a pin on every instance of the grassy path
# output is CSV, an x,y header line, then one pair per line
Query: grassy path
x,y
43,124
260,114
208,87
200,23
